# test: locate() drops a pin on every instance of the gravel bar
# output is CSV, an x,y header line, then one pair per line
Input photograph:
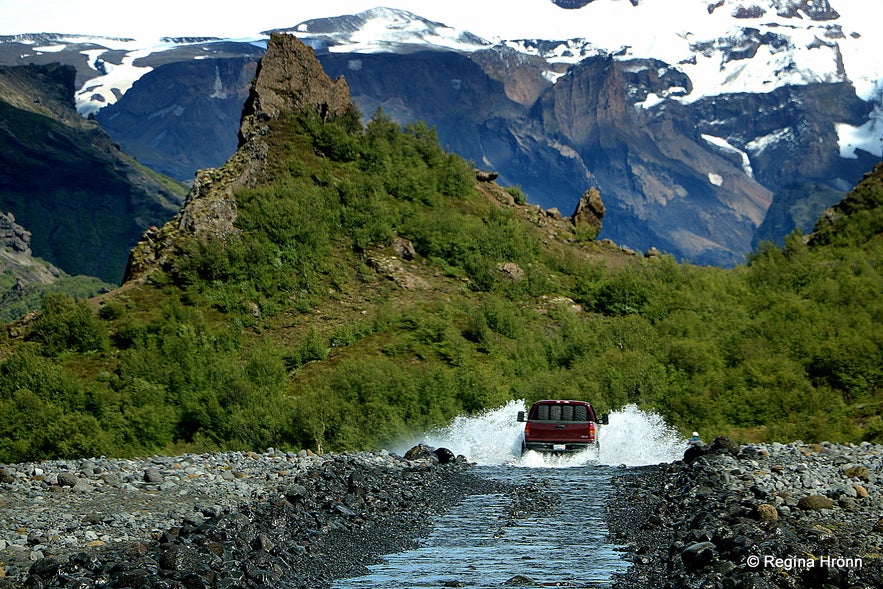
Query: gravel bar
x,y
757,517
220,520
726,517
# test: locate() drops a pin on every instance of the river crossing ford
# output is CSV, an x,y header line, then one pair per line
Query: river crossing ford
x,y
631,516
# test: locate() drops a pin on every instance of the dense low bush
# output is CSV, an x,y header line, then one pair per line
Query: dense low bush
x,y
289,338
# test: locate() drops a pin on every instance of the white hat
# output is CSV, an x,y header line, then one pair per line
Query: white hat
x,y
696,434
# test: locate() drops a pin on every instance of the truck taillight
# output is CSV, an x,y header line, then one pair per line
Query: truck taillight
x,y
526,429
591,432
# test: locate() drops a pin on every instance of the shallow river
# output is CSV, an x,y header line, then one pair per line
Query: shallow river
x,y
476,545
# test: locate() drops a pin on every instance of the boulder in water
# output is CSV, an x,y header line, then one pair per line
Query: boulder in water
x,y
422,451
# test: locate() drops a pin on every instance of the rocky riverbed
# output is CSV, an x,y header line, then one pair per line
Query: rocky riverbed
x,y
755,517
220,520
726,517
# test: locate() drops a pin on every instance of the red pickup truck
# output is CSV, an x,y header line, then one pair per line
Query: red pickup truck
x,y
560,426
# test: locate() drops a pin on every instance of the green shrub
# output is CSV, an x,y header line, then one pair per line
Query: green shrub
x,y
66,325
517,194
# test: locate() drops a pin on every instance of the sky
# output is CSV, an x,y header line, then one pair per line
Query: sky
x,y
236,18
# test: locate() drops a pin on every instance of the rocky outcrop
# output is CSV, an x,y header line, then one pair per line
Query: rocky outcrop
x,y
589,211
14,237
818,10
812,9
288,80
394,267
16,259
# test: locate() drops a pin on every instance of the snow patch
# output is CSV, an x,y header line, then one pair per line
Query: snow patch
x,y
50,49
725,146
651,101
116,81
715,179
759,144
385,30
552,75
868,137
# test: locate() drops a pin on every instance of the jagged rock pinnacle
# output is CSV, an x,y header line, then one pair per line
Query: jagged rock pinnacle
x,y
590,210
289,79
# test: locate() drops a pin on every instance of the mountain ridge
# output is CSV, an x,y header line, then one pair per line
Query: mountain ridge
x,y
289,79
812,141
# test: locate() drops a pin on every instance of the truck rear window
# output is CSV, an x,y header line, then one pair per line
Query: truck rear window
x,y
561,413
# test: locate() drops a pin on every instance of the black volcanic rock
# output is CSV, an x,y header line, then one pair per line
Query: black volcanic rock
x,y
84,202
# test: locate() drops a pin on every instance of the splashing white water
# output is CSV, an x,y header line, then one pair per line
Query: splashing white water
x,y
638,438
633,438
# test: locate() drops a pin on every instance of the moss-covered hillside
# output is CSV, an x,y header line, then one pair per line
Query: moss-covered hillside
x,y
372,287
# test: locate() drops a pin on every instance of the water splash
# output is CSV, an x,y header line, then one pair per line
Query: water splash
x,y
633,438
637,438
489,438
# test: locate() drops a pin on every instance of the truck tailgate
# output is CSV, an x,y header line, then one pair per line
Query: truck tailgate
x,y
560,431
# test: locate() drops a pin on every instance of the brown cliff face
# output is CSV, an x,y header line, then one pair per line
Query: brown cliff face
x,y
289,79
653,168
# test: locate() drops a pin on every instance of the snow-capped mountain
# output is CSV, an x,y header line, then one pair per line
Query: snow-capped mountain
x,y
384,30
722,46
706,124
107,67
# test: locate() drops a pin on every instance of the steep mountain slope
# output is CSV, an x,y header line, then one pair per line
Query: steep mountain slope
x,y
84,202
190,127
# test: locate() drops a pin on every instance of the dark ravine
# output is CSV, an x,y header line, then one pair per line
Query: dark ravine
x,y
83,200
